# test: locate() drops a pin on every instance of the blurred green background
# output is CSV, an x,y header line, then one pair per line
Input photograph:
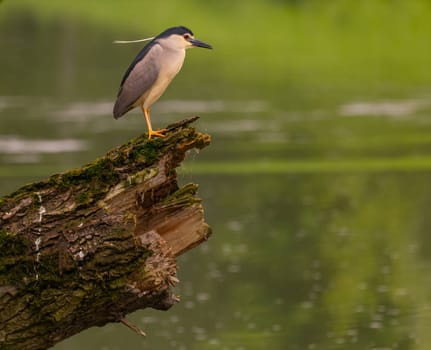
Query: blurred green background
x,y
316,183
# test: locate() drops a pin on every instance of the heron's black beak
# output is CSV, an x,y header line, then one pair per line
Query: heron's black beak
x,y
199,43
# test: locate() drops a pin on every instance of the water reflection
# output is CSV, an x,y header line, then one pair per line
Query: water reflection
x,y
321,222
394,108
16,145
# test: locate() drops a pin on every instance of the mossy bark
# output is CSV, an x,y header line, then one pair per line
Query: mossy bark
x,y
86,247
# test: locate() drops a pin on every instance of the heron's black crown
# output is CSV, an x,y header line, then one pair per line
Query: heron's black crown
x,y
175,30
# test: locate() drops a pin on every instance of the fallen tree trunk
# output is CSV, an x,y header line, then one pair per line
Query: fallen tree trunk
x,y
89,246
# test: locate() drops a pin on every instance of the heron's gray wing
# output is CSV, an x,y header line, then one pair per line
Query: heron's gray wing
x,y
138,80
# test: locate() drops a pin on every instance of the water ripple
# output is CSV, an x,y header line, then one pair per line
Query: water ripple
x,y
18,145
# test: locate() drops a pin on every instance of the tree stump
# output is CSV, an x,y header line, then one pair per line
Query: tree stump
x,y
88,246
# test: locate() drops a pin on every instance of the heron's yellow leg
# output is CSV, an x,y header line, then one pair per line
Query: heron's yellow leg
x,y
151,132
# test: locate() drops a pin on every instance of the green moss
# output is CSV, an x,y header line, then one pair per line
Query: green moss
x,y
148,152
48,267
101,170
4,236
185,194
82,198
10,245
95,179
36,202
18,263
15,264
138,177
24,192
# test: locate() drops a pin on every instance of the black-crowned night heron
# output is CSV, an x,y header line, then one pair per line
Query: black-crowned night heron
x,y
152,70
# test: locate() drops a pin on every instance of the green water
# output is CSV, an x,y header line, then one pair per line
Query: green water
x,y
317,183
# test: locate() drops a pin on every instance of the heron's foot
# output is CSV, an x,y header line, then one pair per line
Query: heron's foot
x,y
157,133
